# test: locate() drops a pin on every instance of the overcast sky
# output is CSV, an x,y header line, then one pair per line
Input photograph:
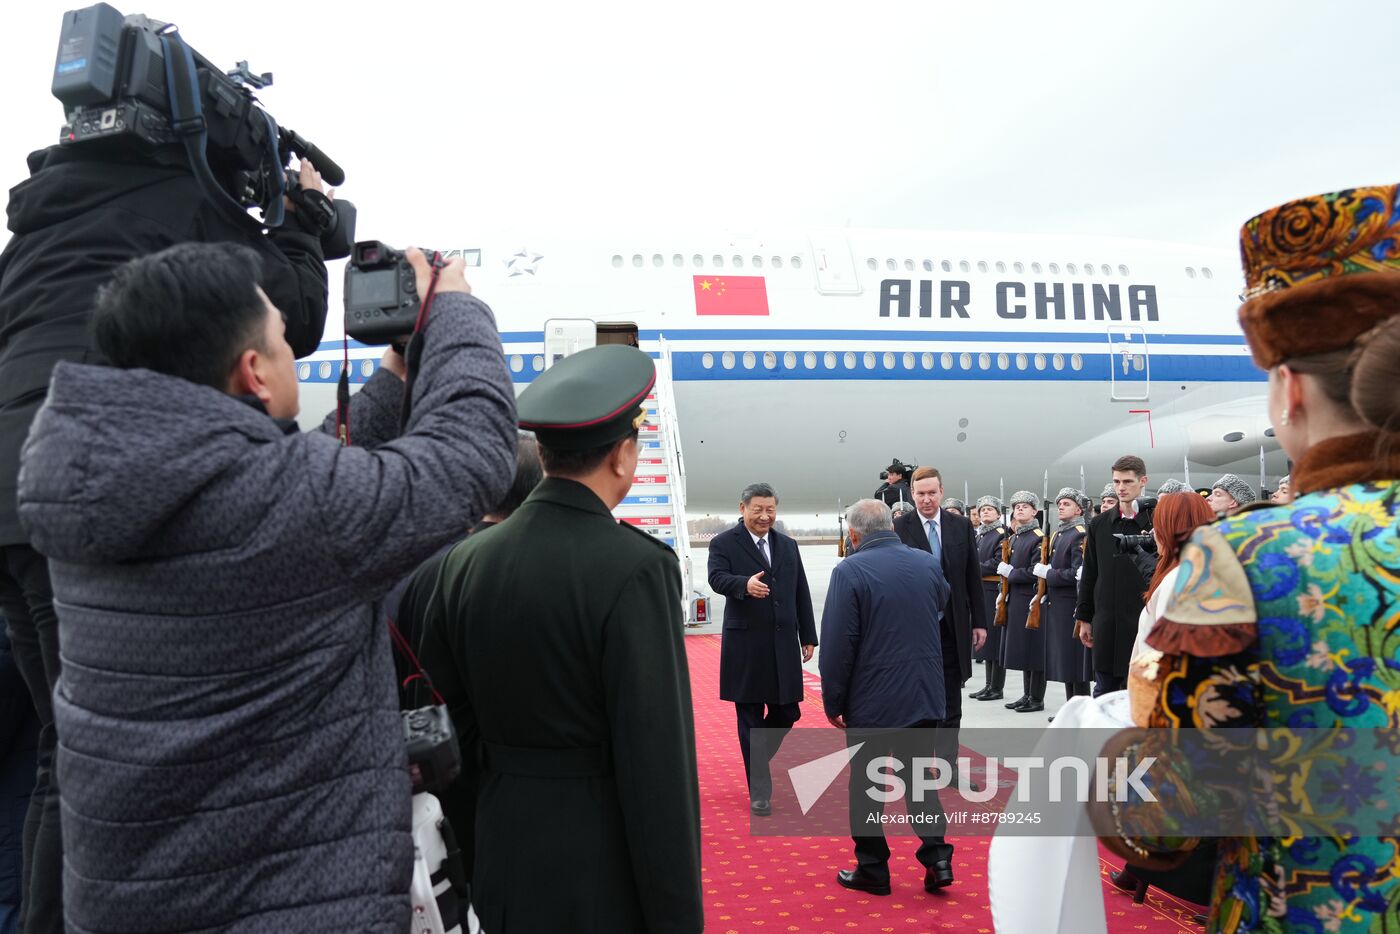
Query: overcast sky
x,y
1166,121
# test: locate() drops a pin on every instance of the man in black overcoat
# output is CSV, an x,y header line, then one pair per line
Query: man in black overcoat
x,y
769,631
963,626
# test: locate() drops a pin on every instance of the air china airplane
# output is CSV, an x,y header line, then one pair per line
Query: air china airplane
x,y
810,360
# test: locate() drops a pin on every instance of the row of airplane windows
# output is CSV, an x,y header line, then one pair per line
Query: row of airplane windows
x,y
698,261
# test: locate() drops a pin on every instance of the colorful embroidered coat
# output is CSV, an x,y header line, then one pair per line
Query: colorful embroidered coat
x,y
1290,617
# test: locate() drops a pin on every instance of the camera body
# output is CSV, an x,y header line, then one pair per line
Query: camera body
x,y
434,758
381,294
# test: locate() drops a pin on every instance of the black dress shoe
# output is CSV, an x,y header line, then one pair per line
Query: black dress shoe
x,y
1030,707
1018,703
994,695
760,807
938,876
978,695
858,880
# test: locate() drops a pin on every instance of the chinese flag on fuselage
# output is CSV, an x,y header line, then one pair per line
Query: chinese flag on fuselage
x,y
730,295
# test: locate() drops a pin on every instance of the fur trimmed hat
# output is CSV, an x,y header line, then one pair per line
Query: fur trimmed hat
x,y
1108,490
1078,496
1173,486
992,501
1319,272
1242,492
957,504
1025,496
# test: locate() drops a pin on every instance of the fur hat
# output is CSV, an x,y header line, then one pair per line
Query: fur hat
x,y
1320,272
1070,492
1108,490
1241,491
1025,496
1173,486
990,500
957,504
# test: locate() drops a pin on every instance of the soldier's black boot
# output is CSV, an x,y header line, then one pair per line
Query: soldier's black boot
x,y
1035,691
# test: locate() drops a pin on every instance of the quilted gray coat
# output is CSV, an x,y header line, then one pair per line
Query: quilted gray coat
x,y
230,750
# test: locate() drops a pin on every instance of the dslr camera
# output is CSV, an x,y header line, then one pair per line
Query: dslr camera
x,y
434,758
381,293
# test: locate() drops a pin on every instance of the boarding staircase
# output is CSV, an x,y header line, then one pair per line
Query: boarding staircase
x,y
656,502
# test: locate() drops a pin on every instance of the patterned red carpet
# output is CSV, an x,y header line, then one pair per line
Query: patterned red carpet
x,y
789,884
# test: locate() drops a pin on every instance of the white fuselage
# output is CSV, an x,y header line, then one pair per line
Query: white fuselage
x,y
995,358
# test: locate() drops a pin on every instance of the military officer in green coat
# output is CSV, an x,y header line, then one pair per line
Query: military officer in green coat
x,y
556,640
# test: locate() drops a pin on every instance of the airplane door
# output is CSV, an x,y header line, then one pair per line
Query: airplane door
x,y
563,336
1128,364
836,271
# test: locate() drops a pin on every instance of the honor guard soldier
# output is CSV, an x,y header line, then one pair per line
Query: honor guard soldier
x,y
1172,486
958,508
989,538
572,700
1108,499
1024,646
1067,659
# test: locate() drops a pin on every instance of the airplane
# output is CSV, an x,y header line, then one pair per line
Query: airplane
x,y
809,359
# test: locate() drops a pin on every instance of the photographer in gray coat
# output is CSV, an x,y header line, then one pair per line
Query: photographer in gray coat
x,y
229,738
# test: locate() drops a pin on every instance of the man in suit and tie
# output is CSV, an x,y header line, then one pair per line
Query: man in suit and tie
x,y
963,627
769,631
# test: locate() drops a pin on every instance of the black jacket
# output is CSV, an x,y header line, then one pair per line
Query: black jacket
x,y
965,610
78,217
1110,590
761,647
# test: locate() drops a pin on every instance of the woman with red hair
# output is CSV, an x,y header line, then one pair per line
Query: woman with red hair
x,y
1177,515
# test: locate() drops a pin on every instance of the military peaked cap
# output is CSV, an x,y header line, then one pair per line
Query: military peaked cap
x,y
588,399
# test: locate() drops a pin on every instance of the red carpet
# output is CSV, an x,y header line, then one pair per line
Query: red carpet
x,y
789,883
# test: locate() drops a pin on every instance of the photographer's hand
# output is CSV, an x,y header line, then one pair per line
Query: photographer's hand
x,y
310,179
393,362
450,279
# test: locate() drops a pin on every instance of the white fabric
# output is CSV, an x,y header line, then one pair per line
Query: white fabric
x,y
1154,610
1051,885
1041,570
1004,569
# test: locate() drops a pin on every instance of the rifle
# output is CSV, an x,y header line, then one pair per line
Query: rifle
x,y
1005,584
1033,620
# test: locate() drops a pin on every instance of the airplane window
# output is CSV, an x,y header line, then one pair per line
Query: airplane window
x,y
657,260
637,260
964,266
698,260
1190,273
850,360
717,261
928,361
1106,269
789,361
1122,270
982,266
909,265
1076,361
928,265
1072,269
946,361
872,263
324,370
517,363
809,360
749,360
984,361
797,262
1003,362
1058,361
965,361
677,260
1035,268
909,361
1018,267
617,261
1205,271
1054,269
889,361
1040,361
891,265
829,360
869,360
758,262
770,360
1020,361
1088,269
707,360
777,262
727,360
947,266
1139,361
304,371
738,262
537,364
1001,267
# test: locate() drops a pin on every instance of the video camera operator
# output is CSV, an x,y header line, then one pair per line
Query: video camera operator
x,y
233,752
895,489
